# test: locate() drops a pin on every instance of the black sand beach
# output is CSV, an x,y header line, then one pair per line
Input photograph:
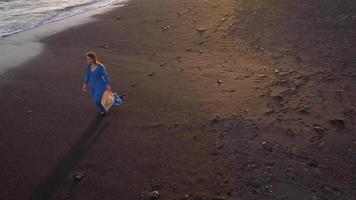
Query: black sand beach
x,y
225,100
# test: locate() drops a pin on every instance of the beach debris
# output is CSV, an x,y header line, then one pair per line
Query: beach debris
x,y
180,13
107,47
78,176
220,81
118,18
337,123
164,28
151,74
201,52
154,195
319,129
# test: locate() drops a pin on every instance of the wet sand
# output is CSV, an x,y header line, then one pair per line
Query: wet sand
x,y
208,114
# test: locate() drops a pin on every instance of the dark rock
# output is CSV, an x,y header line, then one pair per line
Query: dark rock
x,y
319,129
338,123
78,176
220,81
164,28
313,163
278,99
154,195
215,152
201,30
267,146
215,120
151,74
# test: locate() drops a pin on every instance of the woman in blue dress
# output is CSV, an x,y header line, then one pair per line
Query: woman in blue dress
x,y
97,78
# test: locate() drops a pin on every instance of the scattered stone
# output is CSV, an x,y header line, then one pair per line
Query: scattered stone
x,y
215,152
321,144
118,18
180,13
278,99
216,119
338,123
164,28
290,132
261,76
107,47
219,147
151,74
267,146
179,58
187,196
201,30
331,190
348,112
158,20
313,163
276,55
78,176
135,85
220,81
154,195
319,129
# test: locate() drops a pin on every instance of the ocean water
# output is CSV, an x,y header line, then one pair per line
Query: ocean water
x,y
21,15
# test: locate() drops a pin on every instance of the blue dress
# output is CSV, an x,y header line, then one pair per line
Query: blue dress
x,y
99,80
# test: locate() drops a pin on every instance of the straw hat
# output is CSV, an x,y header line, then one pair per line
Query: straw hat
x,y
107,100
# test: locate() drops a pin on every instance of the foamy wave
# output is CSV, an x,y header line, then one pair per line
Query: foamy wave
x,y
21,15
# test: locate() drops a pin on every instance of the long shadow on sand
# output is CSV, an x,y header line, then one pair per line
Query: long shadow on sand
x,y
53,181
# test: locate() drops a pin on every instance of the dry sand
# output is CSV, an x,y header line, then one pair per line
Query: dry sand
x,y
213,111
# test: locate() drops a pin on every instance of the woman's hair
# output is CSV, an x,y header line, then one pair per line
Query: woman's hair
x,y
93,56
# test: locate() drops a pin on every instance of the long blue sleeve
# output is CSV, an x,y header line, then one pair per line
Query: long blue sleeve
x,y
104,75
86,77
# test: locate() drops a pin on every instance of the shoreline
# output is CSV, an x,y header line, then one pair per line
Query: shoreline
x,y
27,45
